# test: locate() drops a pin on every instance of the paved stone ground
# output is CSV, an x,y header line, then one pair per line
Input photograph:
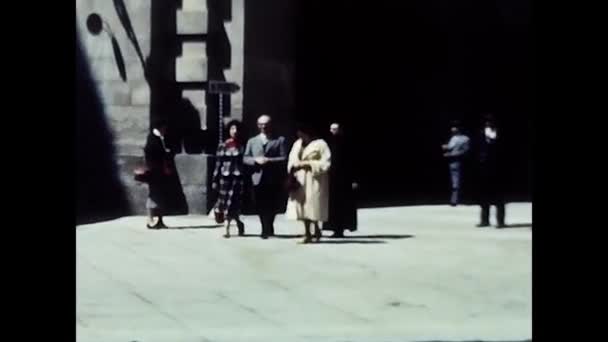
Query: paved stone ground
x,y
408,274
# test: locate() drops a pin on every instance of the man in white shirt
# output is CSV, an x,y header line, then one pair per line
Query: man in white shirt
x,y
491,173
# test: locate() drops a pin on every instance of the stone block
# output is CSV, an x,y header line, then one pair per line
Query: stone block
x,y
140,94
129,125
130,147
196,97
97,46
191,69
196,199
140,22
236,111
104,69
194,5
191,22
192,169
115,93
135,70
194,49
138,6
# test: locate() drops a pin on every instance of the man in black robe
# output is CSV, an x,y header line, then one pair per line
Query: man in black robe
x,y
491,173
342,183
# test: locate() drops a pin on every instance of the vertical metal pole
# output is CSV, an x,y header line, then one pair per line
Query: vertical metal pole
x,y
220,119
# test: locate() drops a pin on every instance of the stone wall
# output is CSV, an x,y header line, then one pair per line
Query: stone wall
x,y
127,103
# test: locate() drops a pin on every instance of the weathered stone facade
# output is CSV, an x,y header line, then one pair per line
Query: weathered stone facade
x,y
128,103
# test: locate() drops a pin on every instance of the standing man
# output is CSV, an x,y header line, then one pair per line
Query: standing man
x,y
267,155
490,173
342,183
456,150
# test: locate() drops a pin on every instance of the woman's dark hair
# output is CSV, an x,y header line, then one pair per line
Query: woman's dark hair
x,y
456,123
307,128
160,122
489,117
239,129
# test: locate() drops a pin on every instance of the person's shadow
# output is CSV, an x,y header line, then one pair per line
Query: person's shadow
x,y
205,226
363,239
379,236
519,225
351,239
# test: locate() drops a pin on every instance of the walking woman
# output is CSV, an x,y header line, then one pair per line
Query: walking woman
x,y
228,178
159,161
308,165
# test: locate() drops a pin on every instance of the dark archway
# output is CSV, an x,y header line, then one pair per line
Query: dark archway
x,y
396,73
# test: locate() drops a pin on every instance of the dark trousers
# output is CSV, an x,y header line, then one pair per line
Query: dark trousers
x,y
266,198
491,193
500,212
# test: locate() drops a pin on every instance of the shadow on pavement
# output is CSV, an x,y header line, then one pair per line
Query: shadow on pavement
x,y
389,236
277,236
208,226
519,225
288,236
478,341
348,241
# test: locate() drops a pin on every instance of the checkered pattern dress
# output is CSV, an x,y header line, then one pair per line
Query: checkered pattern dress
x,y
228,178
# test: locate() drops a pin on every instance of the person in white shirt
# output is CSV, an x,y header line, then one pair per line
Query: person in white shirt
x,y
491,173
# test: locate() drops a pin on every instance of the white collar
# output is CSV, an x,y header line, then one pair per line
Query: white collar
x,y
490,133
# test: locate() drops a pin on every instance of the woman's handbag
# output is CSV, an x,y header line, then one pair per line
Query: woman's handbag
x,y
291,183
141,174
218,215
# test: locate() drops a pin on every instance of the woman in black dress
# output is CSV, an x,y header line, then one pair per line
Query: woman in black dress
x,y
228,178
159,161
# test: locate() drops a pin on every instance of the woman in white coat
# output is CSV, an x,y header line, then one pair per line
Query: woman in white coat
x,y
309,163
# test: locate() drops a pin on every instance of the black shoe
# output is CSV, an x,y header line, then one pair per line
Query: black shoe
x,y
318,236
264,236
501,225
483,224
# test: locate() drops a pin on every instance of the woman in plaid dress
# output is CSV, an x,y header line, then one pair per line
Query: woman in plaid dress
x,y
228,178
